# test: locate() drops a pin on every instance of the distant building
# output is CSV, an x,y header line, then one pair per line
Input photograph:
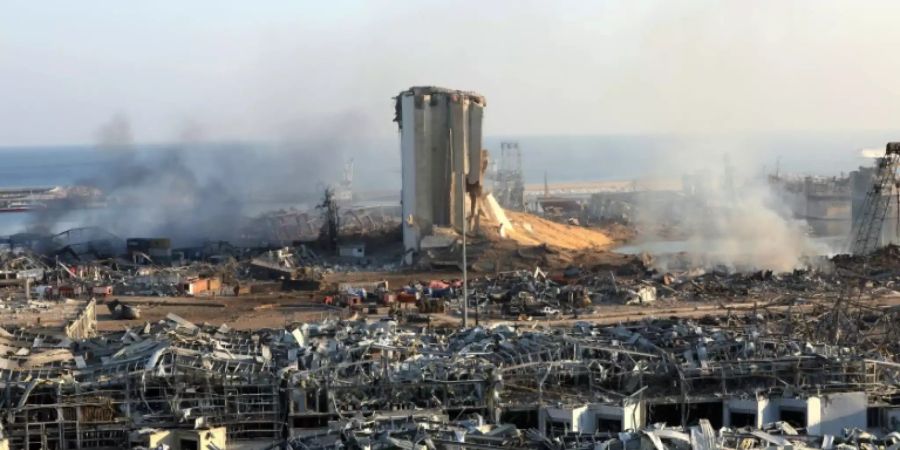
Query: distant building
x,y
201,285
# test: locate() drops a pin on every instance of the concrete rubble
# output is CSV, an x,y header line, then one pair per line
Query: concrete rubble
x,y
581,290
33,278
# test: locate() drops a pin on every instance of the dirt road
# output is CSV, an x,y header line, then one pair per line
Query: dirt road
x,y
276,311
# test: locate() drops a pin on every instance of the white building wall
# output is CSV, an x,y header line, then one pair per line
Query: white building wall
x,y
583,419
814,416
633,415
838,411
766,410
825,414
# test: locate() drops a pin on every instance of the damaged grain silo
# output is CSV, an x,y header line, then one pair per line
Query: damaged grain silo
x,y
442,159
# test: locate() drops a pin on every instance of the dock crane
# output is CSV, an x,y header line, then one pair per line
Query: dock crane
x,y
866,232
841,324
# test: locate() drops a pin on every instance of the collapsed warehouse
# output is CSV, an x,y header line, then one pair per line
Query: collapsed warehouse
x,y
547,387
280,251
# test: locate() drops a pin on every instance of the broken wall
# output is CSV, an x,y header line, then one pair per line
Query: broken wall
x,y
84,325
761,408
838,411
206,438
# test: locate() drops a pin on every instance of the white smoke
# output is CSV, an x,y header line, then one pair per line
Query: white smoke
x,y
729,216
871,153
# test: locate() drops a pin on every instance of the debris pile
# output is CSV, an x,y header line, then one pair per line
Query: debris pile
x,y
424,430
529,387
582,289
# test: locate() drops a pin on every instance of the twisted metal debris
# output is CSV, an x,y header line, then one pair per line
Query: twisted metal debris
x,y
271,385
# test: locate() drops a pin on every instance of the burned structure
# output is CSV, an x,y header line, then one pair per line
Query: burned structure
x,y
442,159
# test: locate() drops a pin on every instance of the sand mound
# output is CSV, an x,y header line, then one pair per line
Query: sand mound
x,y
509,240
528,229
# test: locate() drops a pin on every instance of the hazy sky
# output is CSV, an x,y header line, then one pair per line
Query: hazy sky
x,y
276,69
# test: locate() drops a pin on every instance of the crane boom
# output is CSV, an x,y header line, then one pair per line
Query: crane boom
x,y
866,234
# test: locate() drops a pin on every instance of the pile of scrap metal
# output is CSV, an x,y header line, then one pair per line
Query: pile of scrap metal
x,y
286,226
429,296
347,371
427,430
821,277
94,265
153,281
122,311
776,435
575,386
699,284
173,374
521,293
18,266
297,268
421,429
577,289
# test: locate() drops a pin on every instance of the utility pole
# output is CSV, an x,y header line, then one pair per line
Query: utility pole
x,y
462,210
465,264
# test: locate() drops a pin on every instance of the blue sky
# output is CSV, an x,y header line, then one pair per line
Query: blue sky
x,y
278,70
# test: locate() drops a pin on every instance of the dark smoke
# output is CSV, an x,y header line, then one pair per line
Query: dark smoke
x,y
115,134
195,190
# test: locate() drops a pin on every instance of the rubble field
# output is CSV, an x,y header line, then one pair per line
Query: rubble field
x,y
743,380
545,347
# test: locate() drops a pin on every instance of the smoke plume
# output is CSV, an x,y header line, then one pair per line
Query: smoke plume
x,y
728,216
196,190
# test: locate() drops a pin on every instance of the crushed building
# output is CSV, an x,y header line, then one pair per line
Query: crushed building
x,y
572,384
